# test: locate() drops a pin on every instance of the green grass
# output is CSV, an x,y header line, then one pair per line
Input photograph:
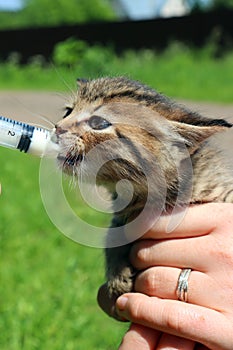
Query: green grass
x,y
179,72
48,282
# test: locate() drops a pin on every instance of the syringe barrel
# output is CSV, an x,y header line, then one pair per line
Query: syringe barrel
x,y
24,137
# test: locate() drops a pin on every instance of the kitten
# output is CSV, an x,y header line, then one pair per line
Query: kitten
x,y
143,137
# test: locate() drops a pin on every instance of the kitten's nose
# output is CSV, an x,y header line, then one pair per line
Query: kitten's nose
x,y
59,130
54,137
56,132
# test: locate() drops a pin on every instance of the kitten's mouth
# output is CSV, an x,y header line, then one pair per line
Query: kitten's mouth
x,y
69,160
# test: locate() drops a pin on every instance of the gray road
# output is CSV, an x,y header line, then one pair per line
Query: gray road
x,y
31,106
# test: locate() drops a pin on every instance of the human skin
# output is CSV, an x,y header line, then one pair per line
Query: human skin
x,y
207,318
203,241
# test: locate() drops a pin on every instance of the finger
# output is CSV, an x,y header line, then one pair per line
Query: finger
x,y
185,224
181,319
183,253
162,282
139,337
172,342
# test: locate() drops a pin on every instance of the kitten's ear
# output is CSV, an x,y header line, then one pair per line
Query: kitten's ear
x,y
81,81
195,134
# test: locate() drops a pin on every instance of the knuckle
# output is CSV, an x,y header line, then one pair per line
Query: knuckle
x,y
222,252
146,282
175,320
136,309
140,254
181,319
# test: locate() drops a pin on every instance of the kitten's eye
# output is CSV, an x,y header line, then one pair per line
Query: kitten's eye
x,y
68,111
98,123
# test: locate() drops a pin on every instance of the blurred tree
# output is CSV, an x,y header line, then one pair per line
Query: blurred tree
x,y
222,4
200,5
194,5
57,12
47,12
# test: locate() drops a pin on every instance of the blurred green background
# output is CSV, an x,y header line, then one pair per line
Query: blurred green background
x,y
49,283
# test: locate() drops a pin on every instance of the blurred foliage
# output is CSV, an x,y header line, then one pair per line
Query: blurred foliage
x,y
199,5
195,5
77,53
222,4
48,13
61,12
69,52
180,71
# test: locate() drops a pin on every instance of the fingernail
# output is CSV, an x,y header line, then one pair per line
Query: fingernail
x,y
121,303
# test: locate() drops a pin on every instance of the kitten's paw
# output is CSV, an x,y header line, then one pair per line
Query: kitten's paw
x,y
121,283
116,286
107,302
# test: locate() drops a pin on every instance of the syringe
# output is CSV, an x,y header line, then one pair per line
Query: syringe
x,y
24,137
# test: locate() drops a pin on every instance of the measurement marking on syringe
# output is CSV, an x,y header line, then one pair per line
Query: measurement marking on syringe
x,y
11,133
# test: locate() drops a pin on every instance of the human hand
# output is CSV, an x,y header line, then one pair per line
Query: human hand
x,y
160,321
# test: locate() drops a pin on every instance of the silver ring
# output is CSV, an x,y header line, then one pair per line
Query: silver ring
x,y
182,285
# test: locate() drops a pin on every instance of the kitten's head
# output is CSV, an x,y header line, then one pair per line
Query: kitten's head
x,y
131,132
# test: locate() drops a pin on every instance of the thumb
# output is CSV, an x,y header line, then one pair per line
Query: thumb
x,y
174,317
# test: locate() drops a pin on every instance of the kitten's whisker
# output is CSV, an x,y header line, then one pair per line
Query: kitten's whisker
x,y
72,91
36,115
46,119
81,171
